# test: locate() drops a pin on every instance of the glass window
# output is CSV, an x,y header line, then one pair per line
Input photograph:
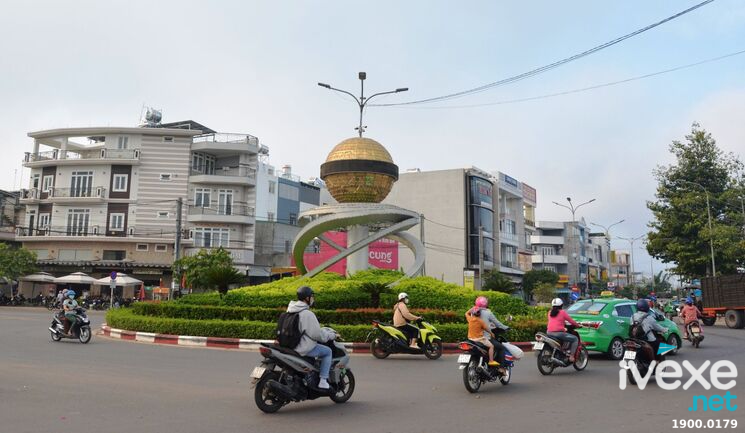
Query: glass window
x,y
116,222
202,197
114,255
272,186
120,183
211,237
35,181
77,222
481,216
122,142
142,247
47,183
587,307
624,310
161,248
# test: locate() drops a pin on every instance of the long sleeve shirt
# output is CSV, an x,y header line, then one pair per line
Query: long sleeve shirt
x,y
401,314
477,328
556,324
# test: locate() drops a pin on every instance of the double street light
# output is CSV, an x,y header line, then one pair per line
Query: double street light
x,y
573,209
607,235
711,232
362,100
632,241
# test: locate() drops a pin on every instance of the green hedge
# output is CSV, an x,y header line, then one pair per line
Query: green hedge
x,y
523,330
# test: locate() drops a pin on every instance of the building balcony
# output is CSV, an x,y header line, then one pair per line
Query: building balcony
x,y
550,259
93,157
236,214
225,176
223,144
547,240
30,196
70,195
529,223
241,256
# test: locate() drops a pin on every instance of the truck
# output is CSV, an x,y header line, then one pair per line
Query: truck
x,y
724,296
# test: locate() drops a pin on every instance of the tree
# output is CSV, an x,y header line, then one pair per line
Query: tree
x,y
495,280
196,268
679,230
221,277
661,283
544,292
535,277
15,262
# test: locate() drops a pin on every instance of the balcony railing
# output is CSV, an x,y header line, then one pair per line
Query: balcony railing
x,y
61,231
509,264
237,209
92,192
91,155
30,194
225,171
508,236
227,138
529,222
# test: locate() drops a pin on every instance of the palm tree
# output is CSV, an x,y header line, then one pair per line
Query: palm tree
x,y
221,277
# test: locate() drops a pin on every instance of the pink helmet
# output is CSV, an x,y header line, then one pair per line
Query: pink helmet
x,y
481,302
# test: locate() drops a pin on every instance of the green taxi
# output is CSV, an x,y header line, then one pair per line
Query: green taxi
x,y
607,321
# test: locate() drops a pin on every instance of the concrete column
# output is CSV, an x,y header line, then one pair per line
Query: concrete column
x,y
358,261
63,149
36,146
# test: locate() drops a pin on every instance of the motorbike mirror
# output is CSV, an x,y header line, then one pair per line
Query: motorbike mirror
x,y
510,318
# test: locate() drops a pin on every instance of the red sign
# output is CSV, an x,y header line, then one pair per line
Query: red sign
x,y
383,254
575,289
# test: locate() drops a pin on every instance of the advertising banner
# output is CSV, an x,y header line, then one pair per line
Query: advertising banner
x,y
383,254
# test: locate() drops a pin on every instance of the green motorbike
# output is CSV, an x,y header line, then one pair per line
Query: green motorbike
x,y
387,339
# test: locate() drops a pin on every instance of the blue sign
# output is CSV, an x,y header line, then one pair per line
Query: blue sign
x,y
510,180
574,296
697,293
113,275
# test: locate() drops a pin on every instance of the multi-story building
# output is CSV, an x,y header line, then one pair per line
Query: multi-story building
x,y
598,251
9,215
516,225
106,198
620,262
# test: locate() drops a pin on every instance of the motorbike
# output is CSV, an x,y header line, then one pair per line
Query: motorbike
x,y
285,376
476,370
390,339
641,353
80,331
552,353
694,333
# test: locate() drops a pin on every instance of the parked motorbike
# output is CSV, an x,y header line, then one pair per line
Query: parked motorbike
x,y
694,333
551,352
81,330
476,369
285,376
389,339
641,353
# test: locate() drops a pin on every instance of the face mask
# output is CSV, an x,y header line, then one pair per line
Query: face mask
x,y
311,301
406,300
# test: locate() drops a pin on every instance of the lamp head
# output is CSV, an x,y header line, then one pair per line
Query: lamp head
x,y
362,75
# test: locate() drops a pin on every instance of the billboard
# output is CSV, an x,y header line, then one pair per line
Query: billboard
x,y
383,254
529,193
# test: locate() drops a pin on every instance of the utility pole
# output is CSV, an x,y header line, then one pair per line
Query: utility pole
x,y
176,285
421,238
481,257
711,233
573,209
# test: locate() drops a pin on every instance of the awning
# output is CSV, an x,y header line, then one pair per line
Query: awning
x,y
75,278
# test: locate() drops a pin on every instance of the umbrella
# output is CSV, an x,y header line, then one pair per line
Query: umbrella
x,y
121,280
141,296
75,278
40,277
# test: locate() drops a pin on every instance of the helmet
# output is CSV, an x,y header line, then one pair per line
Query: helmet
x,y
64,292
557,302
71,293
481,302
689,301
402,295
304,293
642,305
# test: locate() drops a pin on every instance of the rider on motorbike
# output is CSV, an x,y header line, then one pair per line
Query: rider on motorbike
x,y
556,326
401,318
478,331
69,306
312,333
648,323
689,313
481,307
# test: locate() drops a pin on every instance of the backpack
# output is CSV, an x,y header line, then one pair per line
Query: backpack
x,y
288,330
637,331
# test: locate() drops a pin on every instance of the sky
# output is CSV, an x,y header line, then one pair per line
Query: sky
x,y
252,67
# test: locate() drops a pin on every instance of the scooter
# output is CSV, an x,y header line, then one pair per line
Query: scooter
x,y
476,370
640,352
285,376
694,333
81,330
551,352
391,340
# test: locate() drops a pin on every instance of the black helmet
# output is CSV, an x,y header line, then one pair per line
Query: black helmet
x,y
642,305
304,293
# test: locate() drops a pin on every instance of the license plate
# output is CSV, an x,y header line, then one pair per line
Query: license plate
x,y
258,372
463,359
629,354
538,345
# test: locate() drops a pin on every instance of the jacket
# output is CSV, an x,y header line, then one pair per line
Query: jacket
x,y
649,324
401,314
309,327
477,328
491,321
690,313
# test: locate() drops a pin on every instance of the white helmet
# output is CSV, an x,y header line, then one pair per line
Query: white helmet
x,y
557,302
402,295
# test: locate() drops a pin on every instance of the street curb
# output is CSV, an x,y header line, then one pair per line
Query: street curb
x,y
245,343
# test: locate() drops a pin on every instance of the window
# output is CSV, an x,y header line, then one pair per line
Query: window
x,y
203,163
587,307
225,202
165,177
122,142
114,254
35,181
270,216
547,251
120,183
161,248
551,268
289,192
272,185
211,237
77,222
202,197
81,183
163,214
168,139
116,222
44,219
624,310
142,247
293,219
47,183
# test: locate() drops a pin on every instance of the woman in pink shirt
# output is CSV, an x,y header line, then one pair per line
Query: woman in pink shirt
x,y
557,329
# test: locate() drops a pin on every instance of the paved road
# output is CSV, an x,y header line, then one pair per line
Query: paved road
x,y
117,386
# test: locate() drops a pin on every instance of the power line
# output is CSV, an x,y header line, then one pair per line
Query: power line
x,y
548,67
443,225
579,90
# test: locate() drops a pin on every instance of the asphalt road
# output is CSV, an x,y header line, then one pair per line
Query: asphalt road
x,y
121,386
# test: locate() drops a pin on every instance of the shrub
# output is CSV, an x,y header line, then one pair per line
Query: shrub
x,y
544,292
208,298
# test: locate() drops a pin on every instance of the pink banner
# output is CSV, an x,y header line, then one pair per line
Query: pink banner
x,y
383,254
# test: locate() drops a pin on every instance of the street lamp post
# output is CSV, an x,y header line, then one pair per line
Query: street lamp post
x,y
607,235
573,209
711,233
362,100
631,241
